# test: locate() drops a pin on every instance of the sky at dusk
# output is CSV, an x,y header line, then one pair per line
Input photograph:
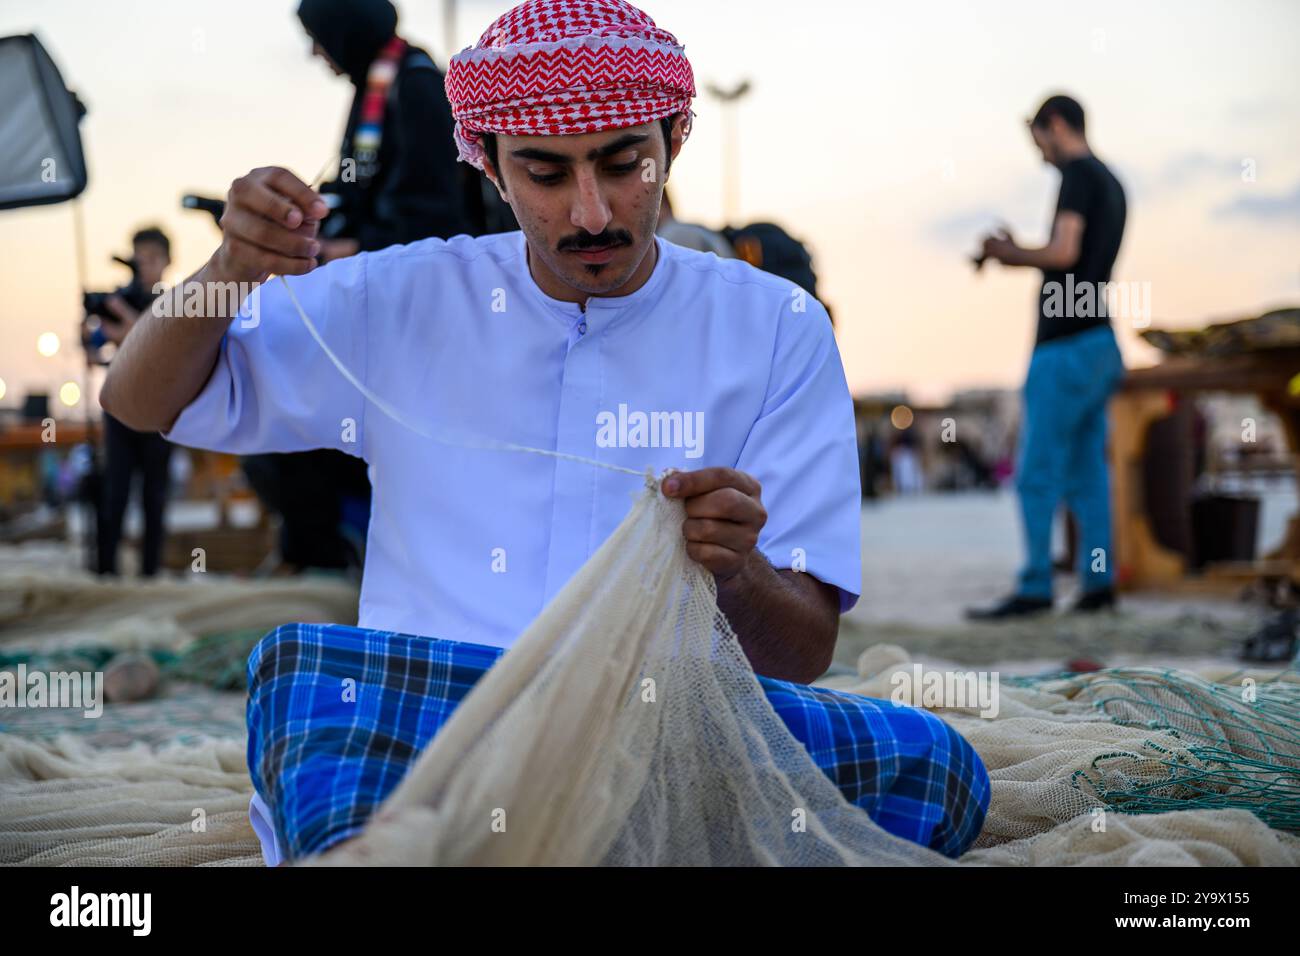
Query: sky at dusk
x,y
887,136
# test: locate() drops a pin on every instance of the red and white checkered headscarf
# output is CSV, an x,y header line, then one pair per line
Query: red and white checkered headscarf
x,y
562,67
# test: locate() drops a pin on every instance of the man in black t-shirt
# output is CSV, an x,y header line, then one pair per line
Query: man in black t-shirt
x,y
1076,366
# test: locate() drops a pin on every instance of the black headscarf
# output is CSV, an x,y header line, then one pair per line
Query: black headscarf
x,y
352,32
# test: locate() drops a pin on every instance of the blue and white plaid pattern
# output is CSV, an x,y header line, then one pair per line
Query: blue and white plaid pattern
x,y
337,715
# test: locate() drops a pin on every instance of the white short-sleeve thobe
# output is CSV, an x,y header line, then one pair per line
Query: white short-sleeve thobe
x,y
711,362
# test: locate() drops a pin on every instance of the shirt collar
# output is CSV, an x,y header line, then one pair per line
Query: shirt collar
x,y
600,308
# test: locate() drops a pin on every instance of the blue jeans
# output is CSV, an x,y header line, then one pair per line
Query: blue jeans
x,y
1063,455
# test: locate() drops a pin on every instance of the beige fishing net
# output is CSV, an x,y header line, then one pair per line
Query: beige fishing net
x,y
1133,735
65,804
80,798
652,743
626,727
60,606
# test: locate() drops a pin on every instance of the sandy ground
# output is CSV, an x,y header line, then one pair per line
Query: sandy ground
x,y
929,557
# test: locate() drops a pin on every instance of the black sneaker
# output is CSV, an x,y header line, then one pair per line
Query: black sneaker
x,y
1011,607
1274,642
1103,599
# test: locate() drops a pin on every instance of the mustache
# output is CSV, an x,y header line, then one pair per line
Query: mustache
x,y
619,237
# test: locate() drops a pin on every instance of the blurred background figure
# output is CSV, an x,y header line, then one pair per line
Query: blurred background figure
x,y
1076,366
398,178
905,463
398,181
691,235
109,319
768,246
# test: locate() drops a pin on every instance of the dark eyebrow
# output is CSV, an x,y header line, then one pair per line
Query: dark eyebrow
x,y
545,156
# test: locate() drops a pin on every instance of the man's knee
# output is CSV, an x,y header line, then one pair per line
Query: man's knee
x,y
966,792
265,663
266,654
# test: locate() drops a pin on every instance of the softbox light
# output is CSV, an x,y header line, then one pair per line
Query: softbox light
x,y
40,148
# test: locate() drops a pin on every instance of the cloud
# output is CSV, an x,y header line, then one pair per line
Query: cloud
x,y
1261,109
1190,167
1178,173
1274,208
1025,203
964,226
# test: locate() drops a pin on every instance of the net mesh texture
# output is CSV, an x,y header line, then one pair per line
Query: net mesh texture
x,y
626,727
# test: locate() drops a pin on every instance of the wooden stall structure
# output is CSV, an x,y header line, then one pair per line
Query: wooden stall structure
x,y
227,545
1259,357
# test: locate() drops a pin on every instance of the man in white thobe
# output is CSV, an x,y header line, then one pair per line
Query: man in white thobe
x,y
582,334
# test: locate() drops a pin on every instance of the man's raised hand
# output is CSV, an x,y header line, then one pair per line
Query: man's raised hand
x,y
724,515
269,227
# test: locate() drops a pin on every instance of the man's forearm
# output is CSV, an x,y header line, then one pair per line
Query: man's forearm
x,y
787,621
1056,255
1044,258
167,358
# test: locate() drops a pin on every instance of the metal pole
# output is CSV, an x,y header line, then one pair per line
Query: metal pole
x,y
91,531
730,165
449,27
730,146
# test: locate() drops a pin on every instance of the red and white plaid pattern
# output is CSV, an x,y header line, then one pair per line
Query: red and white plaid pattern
x,y
563,67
